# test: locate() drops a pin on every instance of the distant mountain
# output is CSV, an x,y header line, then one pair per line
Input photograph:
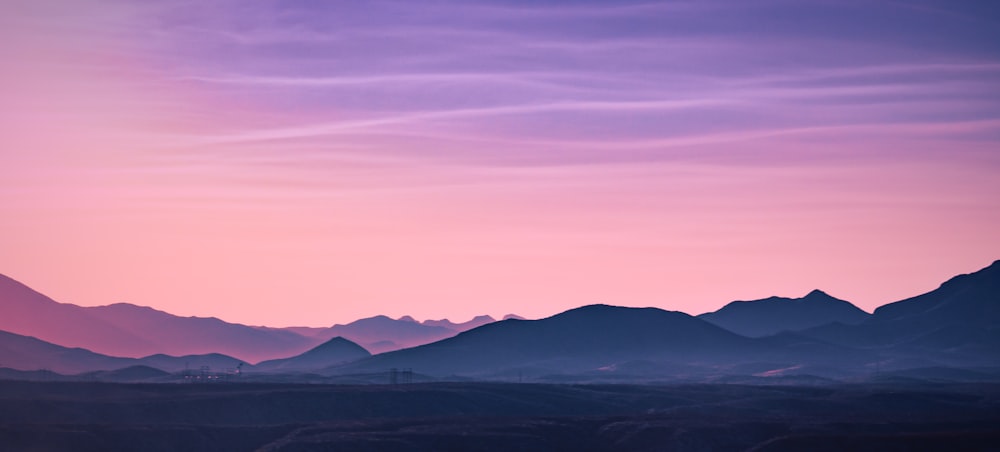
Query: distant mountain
x,y
381,334
776,314
958,321
128,330
29,354
30,313
459,327
134,331
332,352
586,339
375,333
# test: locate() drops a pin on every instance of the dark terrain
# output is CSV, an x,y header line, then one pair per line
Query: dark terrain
x,y
897,414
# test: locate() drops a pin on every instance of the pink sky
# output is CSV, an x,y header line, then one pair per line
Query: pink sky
x,y
310,164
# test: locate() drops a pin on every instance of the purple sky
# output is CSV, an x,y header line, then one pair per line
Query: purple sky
x,y
311,162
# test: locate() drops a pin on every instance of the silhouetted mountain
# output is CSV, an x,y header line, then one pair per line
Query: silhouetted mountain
x,y
381,334
971,298
585,339
29,353
513,316
954,326
959,322
30,313
128,330
775,314
335,351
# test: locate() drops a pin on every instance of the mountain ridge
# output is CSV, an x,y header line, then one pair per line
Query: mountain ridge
x,y
772,315
955,325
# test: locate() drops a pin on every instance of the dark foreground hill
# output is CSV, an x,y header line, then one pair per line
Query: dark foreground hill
x,y
776,314
497,417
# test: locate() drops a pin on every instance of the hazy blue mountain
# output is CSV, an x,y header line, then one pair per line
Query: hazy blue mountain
x,y
332,352
375,332
124,329
176,335
776,314
381,334
29,353
587,339
459,327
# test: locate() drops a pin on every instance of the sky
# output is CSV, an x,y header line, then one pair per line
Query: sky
x,y
313,162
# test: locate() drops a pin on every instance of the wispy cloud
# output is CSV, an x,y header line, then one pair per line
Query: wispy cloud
x,y
429,116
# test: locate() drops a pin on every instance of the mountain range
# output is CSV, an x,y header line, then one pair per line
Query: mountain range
x,y
128,330
953,326
596,338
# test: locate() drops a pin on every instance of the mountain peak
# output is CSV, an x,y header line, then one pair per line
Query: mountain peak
x,y
816,293
337,346
333,342
407,318
334,351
